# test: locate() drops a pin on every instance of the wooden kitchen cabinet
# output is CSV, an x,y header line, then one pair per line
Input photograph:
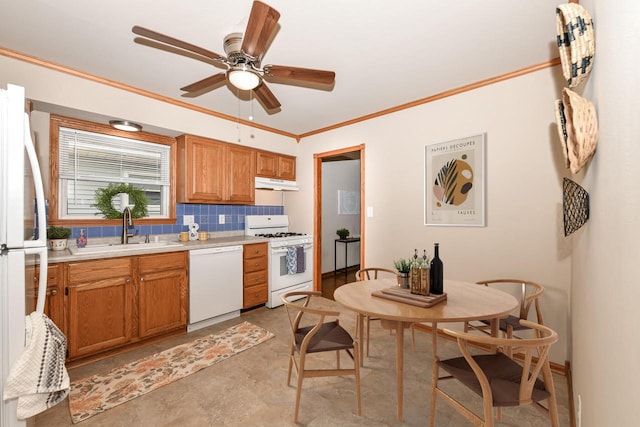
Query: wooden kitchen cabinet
x,y
114,302
255,274
162,292
273,165
210,171
54,303
99,305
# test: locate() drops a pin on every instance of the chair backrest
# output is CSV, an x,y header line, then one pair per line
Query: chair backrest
x,y
536,354
373,272
529,294
297,304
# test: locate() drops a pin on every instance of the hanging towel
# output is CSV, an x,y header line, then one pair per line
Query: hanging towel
x,y
292,260
39,378
300,259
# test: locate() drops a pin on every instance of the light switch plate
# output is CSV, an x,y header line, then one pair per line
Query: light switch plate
x,y
370,211
221,219
188,219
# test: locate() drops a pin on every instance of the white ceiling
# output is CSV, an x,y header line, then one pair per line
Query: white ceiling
x,y
384,53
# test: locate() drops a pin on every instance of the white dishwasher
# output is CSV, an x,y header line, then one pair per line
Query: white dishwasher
x,y
215,285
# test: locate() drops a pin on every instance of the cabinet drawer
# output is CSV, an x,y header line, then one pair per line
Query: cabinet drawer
x,y
255,264
255,250
255,278
81,272
255,295
165,261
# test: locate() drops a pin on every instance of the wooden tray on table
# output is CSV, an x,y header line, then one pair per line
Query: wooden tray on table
x,y
404,295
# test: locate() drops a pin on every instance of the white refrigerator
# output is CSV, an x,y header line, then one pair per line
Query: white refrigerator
x,y
20,185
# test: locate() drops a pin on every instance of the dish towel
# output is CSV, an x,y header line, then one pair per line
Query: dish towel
x,y
300,259
39,378
292,260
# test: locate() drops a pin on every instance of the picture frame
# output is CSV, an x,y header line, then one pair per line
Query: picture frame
x,y
454,176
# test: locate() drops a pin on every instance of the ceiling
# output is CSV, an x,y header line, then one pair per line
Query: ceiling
x,y
384,53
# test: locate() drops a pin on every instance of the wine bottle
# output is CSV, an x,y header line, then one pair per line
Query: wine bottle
x,y
415,274
424,274
436,272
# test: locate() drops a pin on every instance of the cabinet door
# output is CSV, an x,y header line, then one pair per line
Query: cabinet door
x,y
99,305
54,304
241,163
266,164
200,176
287,168
162,288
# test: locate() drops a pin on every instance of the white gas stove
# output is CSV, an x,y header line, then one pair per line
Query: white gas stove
x,y
290,255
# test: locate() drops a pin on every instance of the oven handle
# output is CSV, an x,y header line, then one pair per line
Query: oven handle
x,y
284,249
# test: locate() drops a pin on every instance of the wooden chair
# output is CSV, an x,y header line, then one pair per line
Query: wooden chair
x,y
529,295
320,335
369,274
497,378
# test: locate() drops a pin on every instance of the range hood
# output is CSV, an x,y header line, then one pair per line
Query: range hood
x,y
275,184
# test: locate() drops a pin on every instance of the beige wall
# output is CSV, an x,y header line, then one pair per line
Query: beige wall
x,y
604,289
523,236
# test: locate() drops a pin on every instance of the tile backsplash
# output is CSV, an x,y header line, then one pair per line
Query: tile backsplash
x,y
206,216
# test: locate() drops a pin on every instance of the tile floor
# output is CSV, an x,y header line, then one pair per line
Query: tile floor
x,y
250,388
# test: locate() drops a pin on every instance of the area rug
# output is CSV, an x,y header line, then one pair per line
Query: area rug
x,y
96,394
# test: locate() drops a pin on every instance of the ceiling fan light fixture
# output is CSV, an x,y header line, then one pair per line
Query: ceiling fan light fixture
x,y
125,125
243,77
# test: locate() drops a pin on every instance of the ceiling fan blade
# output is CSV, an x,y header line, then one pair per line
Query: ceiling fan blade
x,y
204,83
296,73
266,97
144,32
262,21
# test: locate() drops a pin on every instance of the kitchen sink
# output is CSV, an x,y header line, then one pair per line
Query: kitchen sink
x,y
118,247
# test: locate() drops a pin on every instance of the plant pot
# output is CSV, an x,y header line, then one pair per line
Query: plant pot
x,y
58,244
403,280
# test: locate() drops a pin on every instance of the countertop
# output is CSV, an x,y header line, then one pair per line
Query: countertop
x,y
215,241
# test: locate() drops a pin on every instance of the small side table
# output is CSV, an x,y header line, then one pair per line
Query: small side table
x,y
346,251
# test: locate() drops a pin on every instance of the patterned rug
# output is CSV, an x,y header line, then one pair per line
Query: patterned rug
x,y
96,394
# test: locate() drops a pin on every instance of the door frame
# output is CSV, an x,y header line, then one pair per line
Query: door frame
x,y
317,216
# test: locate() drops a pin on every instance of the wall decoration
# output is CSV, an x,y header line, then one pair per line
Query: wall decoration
x,y
104,201
455,182
575,206
348,202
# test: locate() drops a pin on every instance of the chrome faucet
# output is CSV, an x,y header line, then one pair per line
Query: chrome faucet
x,y
127,223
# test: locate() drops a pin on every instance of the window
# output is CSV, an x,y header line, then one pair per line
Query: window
x,y
90,156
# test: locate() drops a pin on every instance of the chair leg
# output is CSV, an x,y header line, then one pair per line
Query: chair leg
x,y
291,357
299,387
413,337
550,387
434,385
356,364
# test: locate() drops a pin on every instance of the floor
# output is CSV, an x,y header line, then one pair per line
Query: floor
x,y
250,389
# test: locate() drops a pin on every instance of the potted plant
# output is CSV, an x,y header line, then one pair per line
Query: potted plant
x,y
404,268
343,233
58,237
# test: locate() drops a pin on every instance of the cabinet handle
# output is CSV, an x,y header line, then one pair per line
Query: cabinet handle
x,y
54,292
142,279
128,281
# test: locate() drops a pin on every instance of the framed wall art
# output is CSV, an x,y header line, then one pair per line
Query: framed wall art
x,y
455,182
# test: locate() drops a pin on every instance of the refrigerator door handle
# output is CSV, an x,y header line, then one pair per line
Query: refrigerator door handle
x,y
37,180
42,283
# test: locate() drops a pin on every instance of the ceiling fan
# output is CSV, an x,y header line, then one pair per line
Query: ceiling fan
x,y
243,58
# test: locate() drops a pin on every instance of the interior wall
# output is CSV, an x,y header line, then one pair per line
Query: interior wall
x,y
604,289
340,175
523,236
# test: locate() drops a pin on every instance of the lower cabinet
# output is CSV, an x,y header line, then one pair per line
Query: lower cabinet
x,y
54,303
162,292
255,273
117,301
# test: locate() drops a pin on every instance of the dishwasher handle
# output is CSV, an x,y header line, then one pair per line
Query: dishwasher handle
x,y
217,250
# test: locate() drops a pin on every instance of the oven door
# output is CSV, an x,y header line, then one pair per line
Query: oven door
x,y
281,275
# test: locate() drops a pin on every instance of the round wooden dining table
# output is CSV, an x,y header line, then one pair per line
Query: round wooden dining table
x,y
465,302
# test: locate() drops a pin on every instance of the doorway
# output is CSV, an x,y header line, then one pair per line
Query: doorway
x,y
326,244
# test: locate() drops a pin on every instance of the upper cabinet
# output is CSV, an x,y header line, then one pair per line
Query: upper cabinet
x,y
273,165
210,171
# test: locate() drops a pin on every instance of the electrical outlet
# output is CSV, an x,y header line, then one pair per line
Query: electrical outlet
x,y
188,219
221,219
